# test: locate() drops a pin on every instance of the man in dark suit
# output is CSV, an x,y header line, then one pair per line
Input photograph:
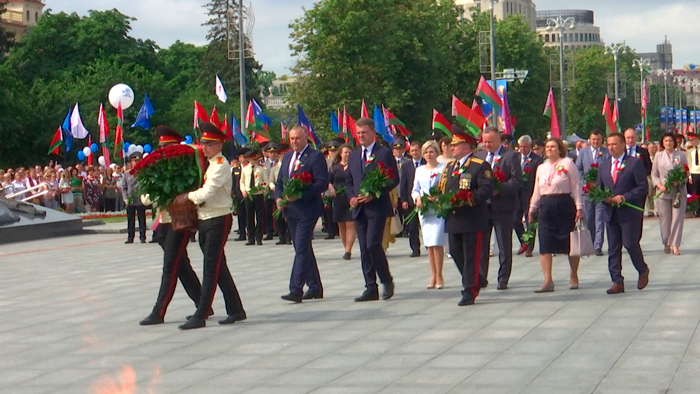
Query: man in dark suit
x,y
501,205
407,173
303,213
626,177
591,156
529,162
466,226
634,150
369,212
398,149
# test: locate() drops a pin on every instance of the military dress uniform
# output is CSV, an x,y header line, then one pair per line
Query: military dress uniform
x,y
238,197
466,226
254,175
215,220
176,263
280,222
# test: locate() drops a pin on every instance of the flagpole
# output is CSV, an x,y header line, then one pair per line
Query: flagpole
x,y
241,59
641,63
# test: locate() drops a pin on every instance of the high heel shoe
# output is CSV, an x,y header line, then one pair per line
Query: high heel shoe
x,y
676,251
431,285
545,289
439,286
667,249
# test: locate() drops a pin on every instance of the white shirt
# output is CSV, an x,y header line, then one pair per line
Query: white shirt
x,y
614,160
632,150
295,156
367,152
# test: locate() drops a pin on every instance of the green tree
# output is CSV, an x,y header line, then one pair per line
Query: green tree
x,y
7,39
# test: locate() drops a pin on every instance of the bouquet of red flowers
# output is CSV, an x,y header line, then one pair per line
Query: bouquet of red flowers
x,y
693,203
375,181
591,176
526,173
452,200
599,194
530,234
168,172
675,178
294,187
429,201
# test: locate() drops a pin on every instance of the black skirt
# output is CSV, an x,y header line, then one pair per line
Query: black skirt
x,y
557,219
341,209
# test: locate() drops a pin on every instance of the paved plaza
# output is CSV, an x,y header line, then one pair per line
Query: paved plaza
x,y
70,309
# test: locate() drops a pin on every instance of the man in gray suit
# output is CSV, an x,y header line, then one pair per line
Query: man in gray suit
x,y
591,156
502,205
529,162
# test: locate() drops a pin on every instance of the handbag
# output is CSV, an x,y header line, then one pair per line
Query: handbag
x,y
580,241
396,225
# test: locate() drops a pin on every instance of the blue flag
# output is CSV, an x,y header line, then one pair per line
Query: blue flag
x,y
67,137
145,113
335,126
305,123
259,114
238,136
380,125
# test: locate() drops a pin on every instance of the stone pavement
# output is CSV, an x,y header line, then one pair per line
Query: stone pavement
x,y
71,308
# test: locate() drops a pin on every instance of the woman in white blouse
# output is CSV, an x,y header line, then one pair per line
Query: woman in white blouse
x,y
433,228
557,204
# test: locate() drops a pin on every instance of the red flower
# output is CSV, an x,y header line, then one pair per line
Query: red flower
x,y
434,175
594,165
527,170
500,176
685,168
587,187
381,165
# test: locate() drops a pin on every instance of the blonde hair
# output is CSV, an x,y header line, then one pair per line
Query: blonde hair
x,y
430,144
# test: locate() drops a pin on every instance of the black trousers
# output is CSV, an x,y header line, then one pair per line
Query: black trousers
x,y
305,268
694,188
111,204
465,251
269,220
411,229
628,235
283,229
176,265
254,217
242,216
502,222
213,234
131,212
374,263
331,226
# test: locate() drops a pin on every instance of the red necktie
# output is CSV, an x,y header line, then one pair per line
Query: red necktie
x,y
616,168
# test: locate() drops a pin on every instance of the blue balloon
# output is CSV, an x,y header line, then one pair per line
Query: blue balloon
x,y
147,148
81,156
188,139
94,147
126,146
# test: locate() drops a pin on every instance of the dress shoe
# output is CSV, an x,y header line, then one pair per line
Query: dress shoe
x,y
211,313
240,316
502,286
151,320
598,252
259,243
616,288
573,286
310,295
415,254
368,295
545,289
240,239
523,249
466,300
131,241
292,297
388,291
153,241
483,284
643,280
143,241
193,323
289,242
667,249
347,256
439,287
329,237
268,238
250,242
280,243
528,253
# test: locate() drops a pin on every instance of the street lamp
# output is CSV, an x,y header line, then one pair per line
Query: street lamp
x,y
680,80
665,73
641,63
493,43
561,24
616,50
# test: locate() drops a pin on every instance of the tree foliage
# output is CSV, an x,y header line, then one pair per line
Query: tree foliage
x,y
7,39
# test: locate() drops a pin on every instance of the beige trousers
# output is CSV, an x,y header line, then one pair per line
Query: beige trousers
x,y
649,206
671,220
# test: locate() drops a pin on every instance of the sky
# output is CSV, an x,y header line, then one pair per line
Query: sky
x,y
641,23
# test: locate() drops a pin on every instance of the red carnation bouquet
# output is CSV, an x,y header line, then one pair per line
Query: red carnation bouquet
x,y
598,194
294,187
375,181
168,172
451,200
675,178
526,173
693,203
499,177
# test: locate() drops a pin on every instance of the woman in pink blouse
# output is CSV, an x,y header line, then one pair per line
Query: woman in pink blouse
x,y
556,203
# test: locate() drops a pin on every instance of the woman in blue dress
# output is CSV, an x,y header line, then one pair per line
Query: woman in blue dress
x,y
433,228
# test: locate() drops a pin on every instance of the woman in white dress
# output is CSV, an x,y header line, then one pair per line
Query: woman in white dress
x,y
433,228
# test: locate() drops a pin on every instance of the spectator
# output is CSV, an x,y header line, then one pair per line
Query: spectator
x,y
110,190
91,191
76,184
50,199
66,190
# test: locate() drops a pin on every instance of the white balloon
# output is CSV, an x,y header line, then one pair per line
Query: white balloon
x,y
183,143
113,165
101,160
139,148
145,154
132,148
123,94
86,151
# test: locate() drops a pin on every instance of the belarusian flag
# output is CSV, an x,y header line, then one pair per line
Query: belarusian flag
x,y
56,142
550,111
104,133
616,119
363,112
349,124
441,123
214,118
90,155
486,92
119,132
609,123
473,121
397,123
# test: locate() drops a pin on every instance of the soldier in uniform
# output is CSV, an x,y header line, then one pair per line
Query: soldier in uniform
x,y
272,149
215,219
176,263
134,207
280,222
254,175
466,226
236,194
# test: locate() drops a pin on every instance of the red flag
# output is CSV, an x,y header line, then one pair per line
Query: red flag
x,y
486,92
395,122
609,122
550,110
215,118
102,122
105,155
56,142
364,113
90,146
283,132
467,117
349,124
119,132
199,114
224,127
441,123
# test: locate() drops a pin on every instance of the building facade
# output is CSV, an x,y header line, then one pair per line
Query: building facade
x,y
584,35
502,9
662,59
20,15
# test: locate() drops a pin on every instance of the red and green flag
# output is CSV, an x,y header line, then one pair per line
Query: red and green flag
x,y
616,119
363,112
550,111
119,132
396,123
255,127
488,94
56,142
441,123
104,133
214,118
609,123
472,120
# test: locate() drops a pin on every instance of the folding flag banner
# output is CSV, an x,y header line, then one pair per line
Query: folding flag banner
x,y
550,111
68,138
381,125
306,124
476,108
119,133
395,122
363,112
214,118
56,142
220,92
105,155
335,126
145,113
472,120
609,123
255,126
76,124
260,115
441,123
486,92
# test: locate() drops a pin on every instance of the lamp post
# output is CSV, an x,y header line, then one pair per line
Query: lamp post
x,y
641,63
493,42
665,73
616,50
562,24
680,80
